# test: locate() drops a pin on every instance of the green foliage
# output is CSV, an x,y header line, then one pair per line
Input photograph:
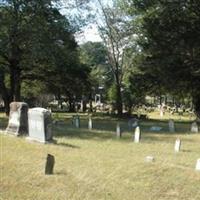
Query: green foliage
x,y
170,41
36,43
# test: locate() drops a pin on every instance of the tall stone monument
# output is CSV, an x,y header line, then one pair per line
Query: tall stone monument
x,y
40,125
18,119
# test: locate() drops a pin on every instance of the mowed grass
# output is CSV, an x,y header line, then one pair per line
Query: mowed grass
x,y
94,164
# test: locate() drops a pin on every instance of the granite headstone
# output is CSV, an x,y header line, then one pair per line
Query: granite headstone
x,y
40,125
18,119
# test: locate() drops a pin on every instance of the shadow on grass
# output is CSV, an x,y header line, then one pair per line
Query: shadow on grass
x,y
67,145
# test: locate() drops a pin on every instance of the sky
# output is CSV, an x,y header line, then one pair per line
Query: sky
x,y
89,32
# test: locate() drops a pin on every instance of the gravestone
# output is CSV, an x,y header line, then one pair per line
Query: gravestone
x,y
171,126
137,135
198,165
132,123
155,128
149,159
76,121
40,125
18,120
90,123
49,164
177,146
194,127
118,131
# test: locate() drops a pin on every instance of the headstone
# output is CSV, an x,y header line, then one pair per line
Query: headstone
x,y
194,127
137,135
90,123
49,164
40,125
18,120
171,126
76,121
132,123
177,146
198,165
149,159
118,131
155,128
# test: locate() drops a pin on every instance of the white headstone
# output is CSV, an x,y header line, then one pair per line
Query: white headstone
x,y
39,124
155,128
171,126
161,113
198,165
18,119
118,131
90,123
77,122
137,135
194,127
149,159
177,146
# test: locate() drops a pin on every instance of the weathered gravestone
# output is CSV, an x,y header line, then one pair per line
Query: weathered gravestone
x,y
194,127
118,131
40,125
198,165
177,146
49,164
137,135
76,121
18,120
149,159
132,123
90,123
171,126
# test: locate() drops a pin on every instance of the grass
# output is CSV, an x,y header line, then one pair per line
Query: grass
x,y
95,165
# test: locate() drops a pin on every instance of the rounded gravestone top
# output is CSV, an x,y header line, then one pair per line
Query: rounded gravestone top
x,y
39,110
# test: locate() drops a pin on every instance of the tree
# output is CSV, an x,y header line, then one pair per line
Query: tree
x,y
116,34
94,54
170,41
36,43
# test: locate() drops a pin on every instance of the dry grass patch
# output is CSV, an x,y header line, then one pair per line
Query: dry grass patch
x,y
94,165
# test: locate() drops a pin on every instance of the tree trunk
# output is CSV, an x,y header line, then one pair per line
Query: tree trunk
x,y
5,93
119,105
196,102
71,105
15,81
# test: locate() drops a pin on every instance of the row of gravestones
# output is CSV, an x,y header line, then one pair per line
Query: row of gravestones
x,y
35,122
133,123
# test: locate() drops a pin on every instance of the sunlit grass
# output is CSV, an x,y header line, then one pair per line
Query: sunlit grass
x,y
96,165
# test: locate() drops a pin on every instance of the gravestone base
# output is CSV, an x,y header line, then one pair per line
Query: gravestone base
x,y
30,139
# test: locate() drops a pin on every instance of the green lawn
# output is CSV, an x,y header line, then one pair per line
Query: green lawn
x,y
95,164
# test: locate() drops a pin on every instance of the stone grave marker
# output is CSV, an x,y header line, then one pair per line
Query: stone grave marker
x,y
90,123
118,131
132,123
40,125
171,126
137,135
18,120
149,159
49,164
198,165
177,146
76,121
194,127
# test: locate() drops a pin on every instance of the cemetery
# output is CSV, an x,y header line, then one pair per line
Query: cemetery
x,y
99,100
105,161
